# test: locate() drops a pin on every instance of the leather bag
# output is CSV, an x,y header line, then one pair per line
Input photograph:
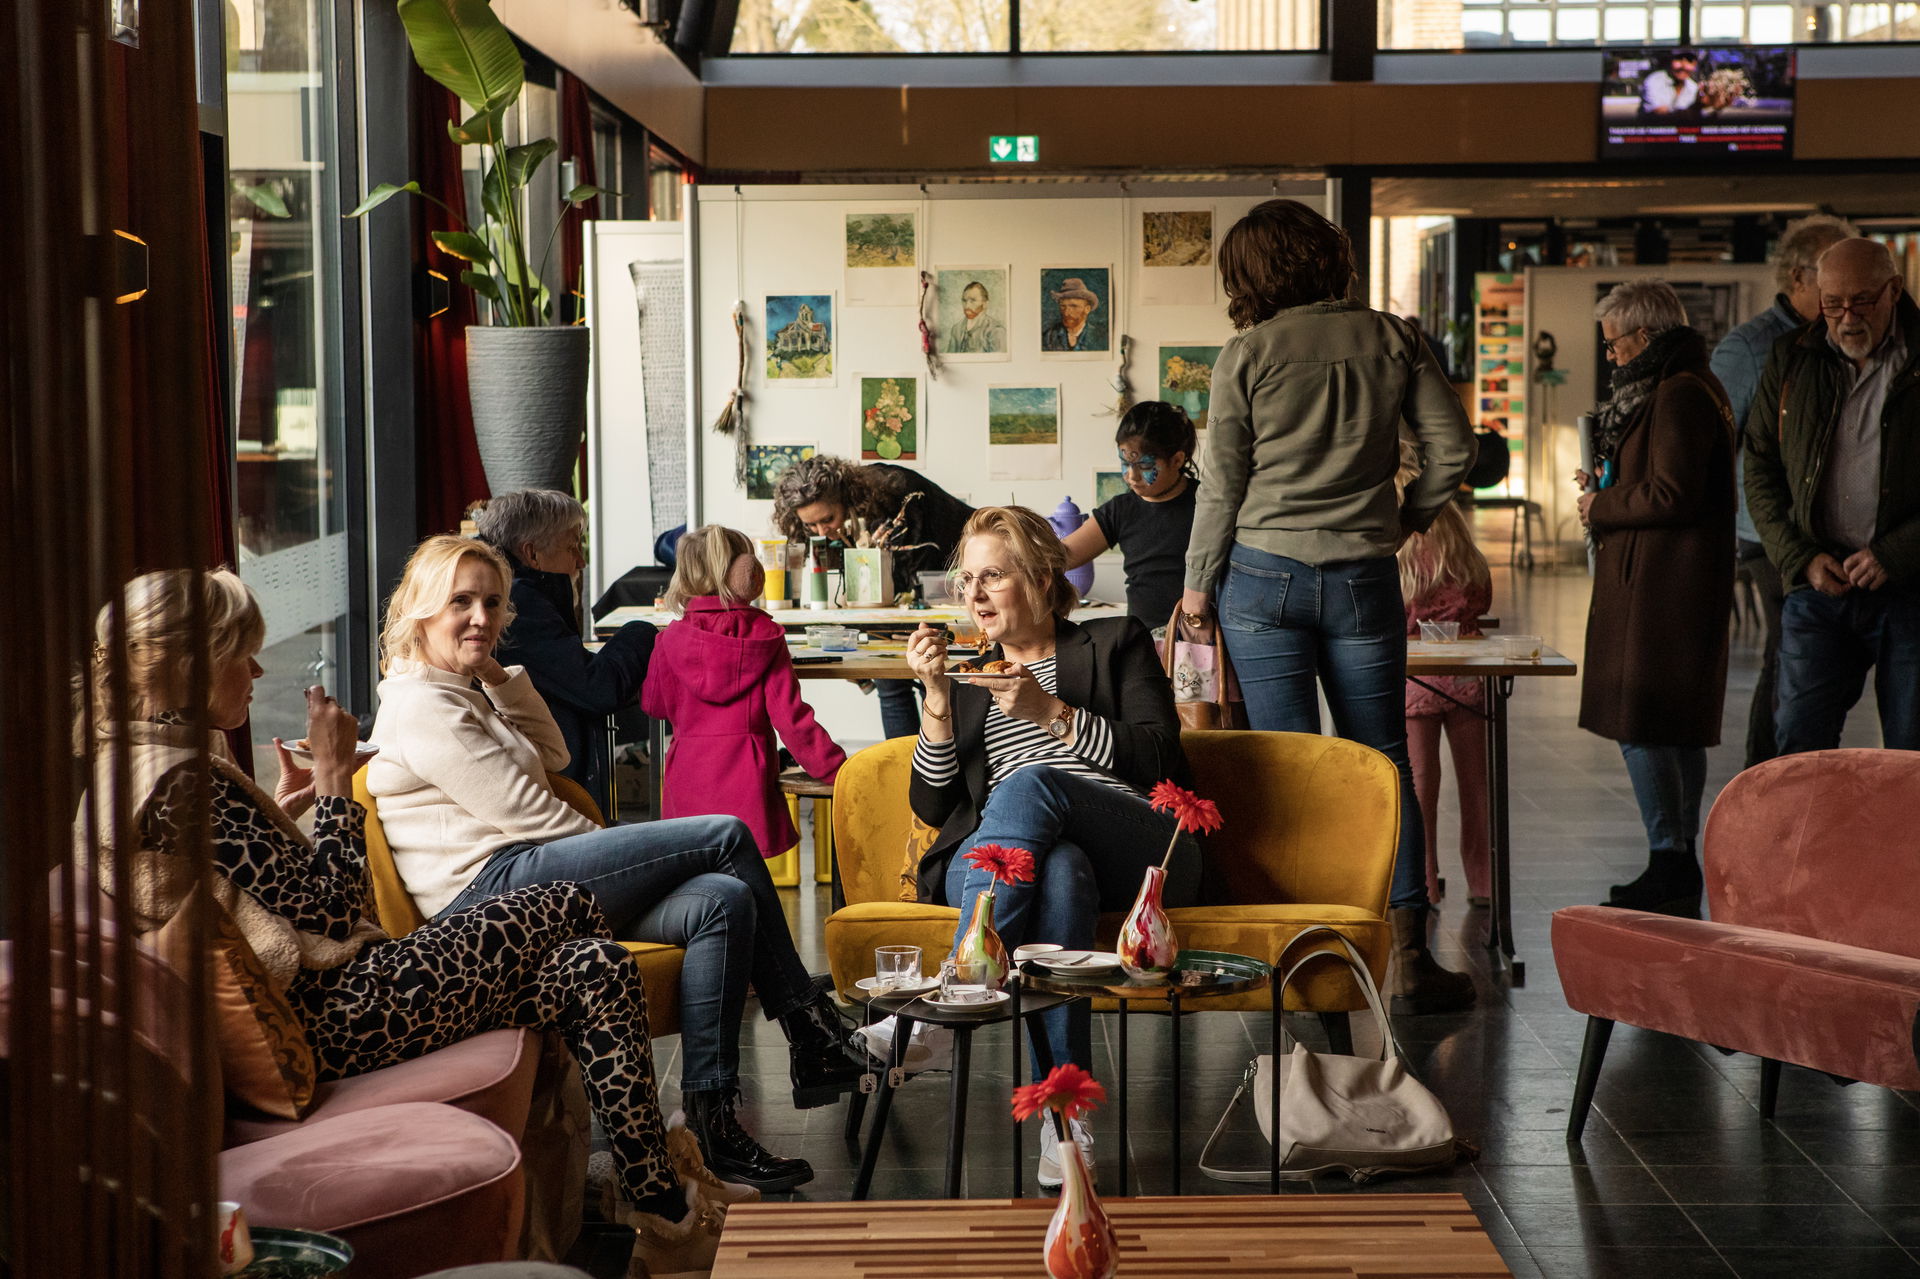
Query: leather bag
x,y
1364,1117
1205,692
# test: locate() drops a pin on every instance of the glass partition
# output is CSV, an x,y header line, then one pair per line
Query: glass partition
x,y
1167,26
1493,24
871,26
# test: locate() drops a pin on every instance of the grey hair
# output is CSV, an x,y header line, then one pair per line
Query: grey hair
x,y
538,516
1643,304
1801,243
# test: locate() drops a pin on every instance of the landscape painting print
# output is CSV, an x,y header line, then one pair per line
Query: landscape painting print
x,y
800,338
880,239
1023,432
1108,485
766,463
890,419
1186,379
1176,237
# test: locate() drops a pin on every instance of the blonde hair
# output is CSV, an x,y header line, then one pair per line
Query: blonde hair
x,y
1039,557
427,585
157,611
1446,552
701,560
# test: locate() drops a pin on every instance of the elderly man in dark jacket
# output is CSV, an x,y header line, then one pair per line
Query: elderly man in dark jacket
x,y
1833,481
540,532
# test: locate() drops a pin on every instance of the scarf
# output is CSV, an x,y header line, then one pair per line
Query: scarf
x,y
1633,384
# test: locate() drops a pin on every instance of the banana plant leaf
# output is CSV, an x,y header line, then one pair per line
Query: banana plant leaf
x,y
464,46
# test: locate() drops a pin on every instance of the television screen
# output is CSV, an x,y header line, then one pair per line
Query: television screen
x,y
1687,103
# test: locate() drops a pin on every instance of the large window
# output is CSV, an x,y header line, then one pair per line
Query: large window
x,y
1045,26
1457,24
283,232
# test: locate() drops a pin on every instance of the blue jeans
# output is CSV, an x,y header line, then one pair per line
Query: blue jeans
x,y
1826,647
1668,782
899,712
1286,623
694,882
1091,846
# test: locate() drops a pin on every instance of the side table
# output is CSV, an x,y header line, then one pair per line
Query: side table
x,y
1197,974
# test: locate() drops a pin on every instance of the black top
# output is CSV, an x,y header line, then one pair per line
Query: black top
x,y
1152,537
937,517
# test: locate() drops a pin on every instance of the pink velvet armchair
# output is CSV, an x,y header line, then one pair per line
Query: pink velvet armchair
x,y
1812,955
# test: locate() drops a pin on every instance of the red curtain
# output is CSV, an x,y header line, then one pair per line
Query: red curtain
x,y
449,475
576,144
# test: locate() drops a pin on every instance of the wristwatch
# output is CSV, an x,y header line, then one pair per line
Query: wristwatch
x,y
1061,725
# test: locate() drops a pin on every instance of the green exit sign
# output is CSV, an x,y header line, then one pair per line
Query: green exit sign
x,y
1013,149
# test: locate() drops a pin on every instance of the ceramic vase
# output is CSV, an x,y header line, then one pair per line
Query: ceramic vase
x,y
1147,946
1080,1240
981,945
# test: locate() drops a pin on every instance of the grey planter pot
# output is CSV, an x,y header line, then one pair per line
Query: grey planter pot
x,y
528,388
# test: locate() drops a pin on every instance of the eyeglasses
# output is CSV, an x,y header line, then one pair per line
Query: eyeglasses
x,y
1834,308
1607,344
991,579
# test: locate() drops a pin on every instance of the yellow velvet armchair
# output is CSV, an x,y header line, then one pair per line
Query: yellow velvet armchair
x,y
659,965
1311,826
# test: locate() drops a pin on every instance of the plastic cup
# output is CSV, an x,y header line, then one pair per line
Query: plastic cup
x,y
1440,632
896,966
1520,648
233,1244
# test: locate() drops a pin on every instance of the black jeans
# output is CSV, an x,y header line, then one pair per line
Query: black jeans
x,y
1771,590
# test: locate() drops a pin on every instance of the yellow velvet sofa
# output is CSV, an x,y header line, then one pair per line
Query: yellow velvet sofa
x,y
659,965
1311,825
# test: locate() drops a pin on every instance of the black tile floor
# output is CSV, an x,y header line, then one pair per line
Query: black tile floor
x,y
1677,1175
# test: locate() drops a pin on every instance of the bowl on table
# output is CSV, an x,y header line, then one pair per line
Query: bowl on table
x,y
284,1253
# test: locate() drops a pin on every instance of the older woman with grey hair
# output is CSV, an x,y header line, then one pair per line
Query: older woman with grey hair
x,y
542,534
1660,512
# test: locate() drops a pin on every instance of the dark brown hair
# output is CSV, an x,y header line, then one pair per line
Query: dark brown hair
x,y
1282,254
826,478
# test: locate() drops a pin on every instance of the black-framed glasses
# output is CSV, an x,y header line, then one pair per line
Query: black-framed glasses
x,y
1607,344
1834,308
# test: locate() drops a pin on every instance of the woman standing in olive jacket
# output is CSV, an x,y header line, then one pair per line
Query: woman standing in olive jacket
x,y
1661,517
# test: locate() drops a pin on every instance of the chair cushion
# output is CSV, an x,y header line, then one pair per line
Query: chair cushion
x,y
660,975
413,1187
853,933
490,1075
1795,999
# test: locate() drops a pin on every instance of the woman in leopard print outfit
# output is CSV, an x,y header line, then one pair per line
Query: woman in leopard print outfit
x,y
538,957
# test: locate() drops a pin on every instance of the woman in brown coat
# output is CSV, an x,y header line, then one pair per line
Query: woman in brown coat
x,y
1660,514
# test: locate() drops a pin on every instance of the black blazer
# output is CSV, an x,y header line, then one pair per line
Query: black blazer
x,y
1107,667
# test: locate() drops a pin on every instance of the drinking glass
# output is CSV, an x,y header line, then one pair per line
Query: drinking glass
x,y
1521,648
971,981
1440,632
896,966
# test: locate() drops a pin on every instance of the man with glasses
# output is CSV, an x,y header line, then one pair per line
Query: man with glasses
x,y
1833,483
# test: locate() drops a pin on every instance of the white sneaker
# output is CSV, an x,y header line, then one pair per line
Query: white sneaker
x,y
1050,1176
931,1047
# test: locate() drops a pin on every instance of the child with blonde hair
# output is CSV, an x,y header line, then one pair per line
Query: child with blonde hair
x,y
1445,578
722,677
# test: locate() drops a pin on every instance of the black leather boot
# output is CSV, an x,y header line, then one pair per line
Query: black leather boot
x,y
826,1060
730,1151
1416,983
1670,885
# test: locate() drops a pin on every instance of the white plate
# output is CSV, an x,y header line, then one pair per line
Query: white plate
x,y
968,677
1079,961
993,997
872,986
362,752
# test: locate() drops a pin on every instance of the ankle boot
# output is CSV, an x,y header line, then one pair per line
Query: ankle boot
x,y
824,1058
1416,983
1670,885
730,1151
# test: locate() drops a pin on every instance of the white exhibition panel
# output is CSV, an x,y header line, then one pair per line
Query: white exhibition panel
x,y
1560,301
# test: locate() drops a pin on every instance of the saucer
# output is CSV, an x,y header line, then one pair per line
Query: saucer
x,y
362,752
993,997
1079,961
873,986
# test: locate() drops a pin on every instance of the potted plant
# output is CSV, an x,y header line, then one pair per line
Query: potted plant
x,y
526,379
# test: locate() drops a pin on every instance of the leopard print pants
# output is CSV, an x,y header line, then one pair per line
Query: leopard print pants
x,y
537,957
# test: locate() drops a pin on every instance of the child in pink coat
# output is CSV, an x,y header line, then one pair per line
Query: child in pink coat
x,y
721,676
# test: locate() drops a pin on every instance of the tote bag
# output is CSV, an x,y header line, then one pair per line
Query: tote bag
x,y
1205,693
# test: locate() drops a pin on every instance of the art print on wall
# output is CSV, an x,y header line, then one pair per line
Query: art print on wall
x,y
766,463
1076,312
1023,432
971,313
800,338
890,421
1176,259
1108,485
882,254
1186,379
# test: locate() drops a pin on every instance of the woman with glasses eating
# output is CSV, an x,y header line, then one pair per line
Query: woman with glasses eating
x,y
1050,747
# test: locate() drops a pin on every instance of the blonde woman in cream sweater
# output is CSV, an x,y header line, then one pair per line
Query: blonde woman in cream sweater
x,y
461,780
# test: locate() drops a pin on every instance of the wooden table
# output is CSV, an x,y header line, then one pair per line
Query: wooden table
x,y
1212,1237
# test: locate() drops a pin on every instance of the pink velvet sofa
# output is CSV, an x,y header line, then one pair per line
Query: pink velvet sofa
x,y
1812,955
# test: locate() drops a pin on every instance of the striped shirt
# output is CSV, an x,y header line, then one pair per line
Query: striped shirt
x,y
1014,744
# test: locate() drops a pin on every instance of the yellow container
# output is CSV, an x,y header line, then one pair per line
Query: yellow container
x,y
776,584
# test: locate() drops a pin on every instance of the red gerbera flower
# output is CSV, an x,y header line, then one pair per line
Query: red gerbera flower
x,y
1193,814
1006,865
1067,1089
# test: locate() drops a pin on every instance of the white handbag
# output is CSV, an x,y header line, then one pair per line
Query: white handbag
x,y
1365,1117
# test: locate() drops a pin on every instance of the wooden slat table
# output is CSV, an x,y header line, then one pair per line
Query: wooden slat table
x,y
1323,1236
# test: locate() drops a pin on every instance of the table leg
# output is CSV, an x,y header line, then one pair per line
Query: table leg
x,y
1121,1089
902,1033
957,1108
1273,1098
613,782
656,764
1019,1029
1499,827
1173,1013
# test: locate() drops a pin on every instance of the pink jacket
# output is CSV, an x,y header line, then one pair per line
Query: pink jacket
x,y
1449,602
722,677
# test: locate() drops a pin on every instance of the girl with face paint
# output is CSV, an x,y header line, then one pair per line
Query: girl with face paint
x,y
1152,520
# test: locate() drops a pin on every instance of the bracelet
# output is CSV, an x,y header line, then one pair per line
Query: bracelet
x,y
936,714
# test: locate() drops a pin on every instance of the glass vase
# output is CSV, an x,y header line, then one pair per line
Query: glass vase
x,y
1080,1239
1147,946
980,947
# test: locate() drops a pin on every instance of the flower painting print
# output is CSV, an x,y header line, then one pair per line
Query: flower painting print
x,y
800,338
889,419
1186,379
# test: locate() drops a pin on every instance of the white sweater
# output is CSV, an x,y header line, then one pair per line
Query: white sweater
x,y
462,773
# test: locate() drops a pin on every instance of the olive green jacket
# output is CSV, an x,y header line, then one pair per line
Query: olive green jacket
x,y
1789,432
1303,440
